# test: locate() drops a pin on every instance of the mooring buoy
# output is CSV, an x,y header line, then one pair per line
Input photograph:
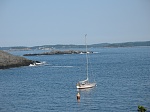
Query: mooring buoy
x,y
78,96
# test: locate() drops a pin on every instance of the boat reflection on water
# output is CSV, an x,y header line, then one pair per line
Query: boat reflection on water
x,y
85,94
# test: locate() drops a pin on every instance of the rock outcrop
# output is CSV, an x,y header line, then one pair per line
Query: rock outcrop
x,y
8,60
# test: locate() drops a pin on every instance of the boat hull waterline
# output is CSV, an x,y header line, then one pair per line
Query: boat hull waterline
x,y
85,86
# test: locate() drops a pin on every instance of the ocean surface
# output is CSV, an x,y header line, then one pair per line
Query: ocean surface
x,y
122,76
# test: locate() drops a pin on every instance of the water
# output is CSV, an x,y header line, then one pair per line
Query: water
x,y
122,76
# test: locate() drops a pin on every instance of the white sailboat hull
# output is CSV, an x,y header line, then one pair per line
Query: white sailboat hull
x,y
87,85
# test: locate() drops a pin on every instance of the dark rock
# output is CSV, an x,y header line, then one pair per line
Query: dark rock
x,y
58,53
8,60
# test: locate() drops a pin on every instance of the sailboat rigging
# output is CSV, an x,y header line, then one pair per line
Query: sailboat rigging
x,y
85,83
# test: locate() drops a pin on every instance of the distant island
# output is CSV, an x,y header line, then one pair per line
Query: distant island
x,y
56,52
101,45
8,60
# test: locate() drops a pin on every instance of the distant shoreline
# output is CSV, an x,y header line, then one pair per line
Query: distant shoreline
x,y
101,45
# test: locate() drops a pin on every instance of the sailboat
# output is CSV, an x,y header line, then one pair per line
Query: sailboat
x,y
85,83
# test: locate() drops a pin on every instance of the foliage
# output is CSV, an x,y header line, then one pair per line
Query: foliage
x,y
141,109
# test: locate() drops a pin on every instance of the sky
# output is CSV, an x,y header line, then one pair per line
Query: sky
x,y
51,22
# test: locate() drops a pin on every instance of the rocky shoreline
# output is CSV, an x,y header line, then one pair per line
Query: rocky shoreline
x,y
8,60
58,53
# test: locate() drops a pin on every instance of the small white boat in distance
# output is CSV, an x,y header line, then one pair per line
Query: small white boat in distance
x,y
85,83
39,63
32,64
36,63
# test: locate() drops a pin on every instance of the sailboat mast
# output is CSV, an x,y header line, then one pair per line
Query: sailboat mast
x,y
86,57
